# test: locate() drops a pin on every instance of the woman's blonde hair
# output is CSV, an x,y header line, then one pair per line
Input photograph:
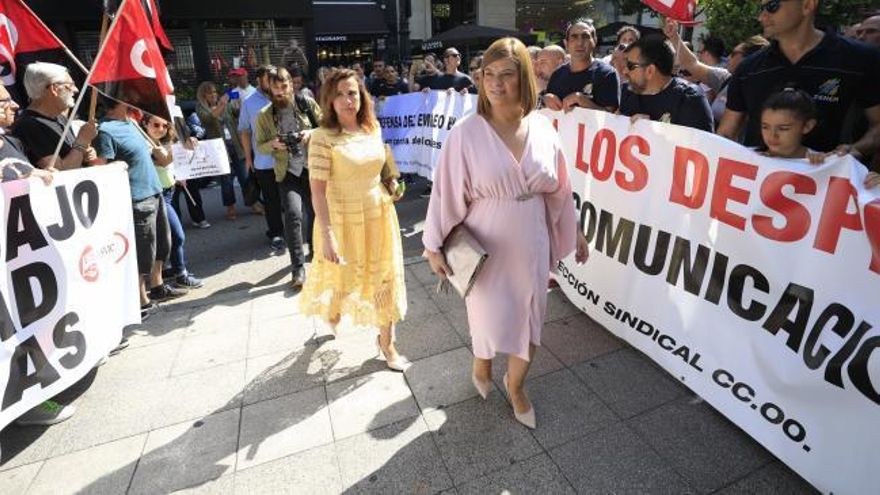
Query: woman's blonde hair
x,y
366,118
202,92
514,50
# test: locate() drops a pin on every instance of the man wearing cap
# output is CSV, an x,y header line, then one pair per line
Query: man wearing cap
x,y
450,78
238,80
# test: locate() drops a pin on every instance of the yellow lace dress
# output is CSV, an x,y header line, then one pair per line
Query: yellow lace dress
x,y
369,287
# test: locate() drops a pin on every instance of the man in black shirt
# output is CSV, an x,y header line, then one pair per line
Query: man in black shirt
x,y
389,83
584,82
51,91
450,78
653,93
835,71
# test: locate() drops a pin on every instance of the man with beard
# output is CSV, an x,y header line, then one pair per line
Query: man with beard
x,y
259,163
282,131
51,92
652,92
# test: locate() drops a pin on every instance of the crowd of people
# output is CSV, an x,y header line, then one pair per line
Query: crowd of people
x,y
311,160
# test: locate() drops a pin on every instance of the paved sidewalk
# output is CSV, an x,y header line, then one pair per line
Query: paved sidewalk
x,y
231,391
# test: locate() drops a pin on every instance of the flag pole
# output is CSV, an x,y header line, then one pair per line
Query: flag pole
x,y
63,46
93,104
82,93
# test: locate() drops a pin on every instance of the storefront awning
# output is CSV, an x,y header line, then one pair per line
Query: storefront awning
x,y
344,19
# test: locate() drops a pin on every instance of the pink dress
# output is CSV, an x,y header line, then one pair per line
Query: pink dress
x,y
522,214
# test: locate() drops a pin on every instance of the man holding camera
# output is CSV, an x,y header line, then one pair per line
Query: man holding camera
x,y
282,130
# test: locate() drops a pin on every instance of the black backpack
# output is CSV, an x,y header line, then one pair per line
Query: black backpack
x,y
305,108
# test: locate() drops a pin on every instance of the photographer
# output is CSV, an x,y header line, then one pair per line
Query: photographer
x,y
282,130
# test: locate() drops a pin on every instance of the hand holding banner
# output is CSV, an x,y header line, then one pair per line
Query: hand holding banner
x,y
67,246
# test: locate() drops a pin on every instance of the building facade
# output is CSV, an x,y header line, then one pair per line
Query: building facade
x,y
432,17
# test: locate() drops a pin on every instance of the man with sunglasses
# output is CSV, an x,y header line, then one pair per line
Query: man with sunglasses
x,y
584,82
652,91
52,93
450,78
837,72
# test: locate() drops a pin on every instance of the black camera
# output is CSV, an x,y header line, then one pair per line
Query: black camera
x,y
291,140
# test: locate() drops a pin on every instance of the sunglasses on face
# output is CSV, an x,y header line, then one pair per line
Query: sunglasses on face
x,y
770,7
158,125
453,55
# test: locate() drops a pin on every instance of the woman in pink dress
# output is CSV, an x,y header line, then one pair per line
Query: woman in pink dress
x,y
502,175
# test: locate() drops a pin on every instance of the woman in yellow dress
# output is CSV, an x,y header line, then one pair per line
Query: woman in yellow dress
x,y
358,262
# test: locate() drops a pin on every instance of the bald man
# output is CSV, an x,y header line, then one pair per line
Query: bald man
x,y
549,59
868,31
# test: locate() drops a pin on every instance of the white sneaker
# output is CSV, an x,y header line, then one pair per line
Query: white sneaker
x,y
202,225
47,413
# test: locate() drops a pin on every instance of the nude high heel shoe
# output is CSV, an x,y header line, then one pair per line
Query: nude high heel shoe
x,y
399,363
483,388
527,418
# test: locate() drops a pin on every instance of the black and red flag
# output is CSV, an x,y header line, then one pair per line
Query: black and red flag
x,y
679,10
24,39
152,11
129,66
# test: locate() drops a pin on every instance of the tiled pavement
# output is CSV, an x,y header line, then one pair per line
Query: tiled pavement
x,y
247,396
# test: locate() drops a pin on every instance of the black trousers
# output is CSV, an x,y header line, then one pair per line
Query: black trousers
x,y
299,217
196,212
272,202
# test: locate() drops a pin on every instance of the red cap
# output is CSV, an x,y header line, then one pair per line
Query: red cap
x,y
237,72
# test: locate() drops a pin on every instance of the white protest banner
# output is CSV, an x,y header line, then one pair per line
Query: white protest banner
x,y
207,159
69,281
415,125
755,281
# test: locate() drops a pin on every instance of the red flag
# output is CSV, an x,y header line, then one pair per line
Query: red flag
x,y
129,66
21,34
161,37
679,10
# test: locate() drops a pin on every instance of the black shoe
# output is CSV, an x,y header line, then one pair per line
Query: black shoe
x,y
277,243
165,292
427,192
299,278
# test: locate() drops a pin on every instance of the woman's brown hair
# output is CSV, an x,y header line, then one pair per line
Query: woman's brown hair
x,y
170,133
514,50
366,118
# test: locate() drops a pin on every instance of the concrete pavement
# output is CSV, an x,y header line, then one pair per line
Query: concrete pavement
x,y
229,390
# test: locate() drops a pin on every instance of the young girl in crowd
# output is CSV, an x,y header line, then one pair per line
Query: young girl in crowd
x,y
786,118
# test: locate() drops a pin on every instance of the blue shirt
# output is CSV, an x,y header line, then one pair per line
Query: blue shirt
x,y
247,121
119,140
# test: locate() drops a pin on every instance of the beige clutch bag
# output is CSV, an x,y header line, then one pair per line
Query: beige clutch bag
x,y
465,257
